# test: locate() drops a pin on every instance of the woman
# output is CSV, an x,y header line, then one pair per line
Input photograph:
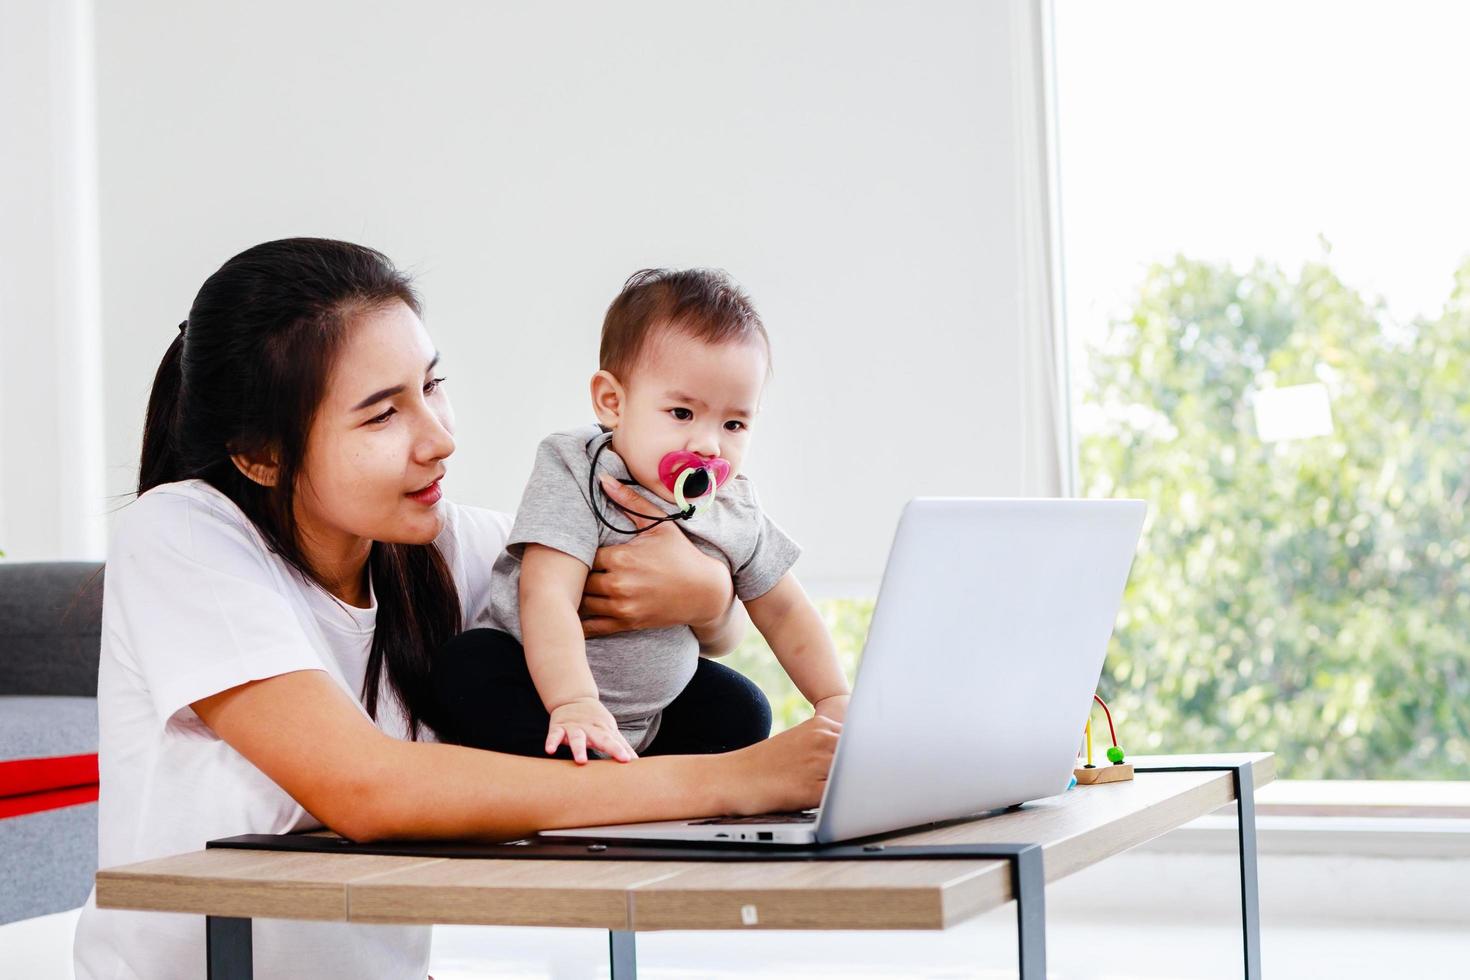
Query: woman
x,y
275,596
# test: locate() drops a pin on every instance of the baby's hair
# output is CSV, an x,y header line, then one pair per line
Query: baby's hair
x,y
704,304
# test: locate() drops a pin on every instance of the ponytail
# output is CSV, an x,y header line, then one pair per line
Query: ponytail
x,y
159,463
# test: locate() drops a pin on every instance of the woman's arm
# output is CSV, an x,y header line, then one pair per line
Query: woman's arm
x,y
305,733
658,579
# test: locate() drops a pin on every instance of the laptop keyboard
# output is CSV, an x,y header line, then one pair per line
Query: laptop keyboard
x,y
802,816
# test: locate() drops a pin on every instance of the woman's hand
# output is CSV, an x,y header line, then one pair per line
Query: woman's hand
x,y
655,580
786,772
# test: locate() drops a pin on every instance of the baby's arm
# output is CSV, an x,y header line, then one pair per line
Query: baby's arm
x,y
551,588
795,631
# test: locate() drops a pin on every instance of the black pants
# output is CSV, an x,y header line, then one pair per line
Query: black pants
x,y
486,699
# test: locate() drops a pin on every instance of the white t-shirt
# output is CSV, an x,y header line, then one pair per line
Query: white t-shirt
x,y
195,603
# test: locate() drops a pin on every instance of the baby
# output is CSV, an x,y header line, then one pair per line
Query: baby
x,y
683,363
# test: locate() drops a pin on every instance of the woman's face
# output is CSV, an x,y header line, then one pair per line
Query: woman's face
x,y
376,449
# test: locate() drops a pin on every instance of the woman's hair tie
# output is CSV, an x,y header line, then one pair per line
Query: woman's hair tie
x,y
182,325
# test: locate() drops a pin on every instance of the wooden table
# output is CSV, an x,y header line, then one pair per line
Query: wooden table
x,y
1070,832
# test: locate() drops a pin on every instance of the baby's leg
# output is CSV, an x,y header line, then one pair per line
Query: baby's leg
x,y
486,698
719,710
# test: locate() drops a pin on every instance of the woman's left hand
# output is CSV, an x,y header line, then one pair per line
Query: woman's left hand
x,y
655,580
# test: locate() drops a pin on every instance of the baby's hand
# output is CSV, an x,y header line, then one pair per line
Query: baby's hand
x,y
584,722
834,707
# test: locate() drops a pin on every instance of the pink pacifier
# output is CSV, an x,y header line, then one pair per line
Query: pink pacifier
x,y
692,478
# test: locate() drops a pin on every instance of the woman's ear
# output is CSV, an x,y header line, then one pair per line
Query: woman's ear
x,y
608,399
260,468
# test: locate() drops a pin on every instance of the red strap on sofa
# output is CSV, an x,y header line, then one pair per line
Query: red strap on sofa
x,y
16,806
33,785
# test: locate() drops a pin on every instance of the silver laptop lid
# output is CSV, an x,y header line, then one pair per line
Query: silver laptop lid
x,y
986,646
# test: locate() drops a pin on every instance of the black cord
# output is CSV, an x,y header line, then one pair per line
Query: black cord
x,y
682,515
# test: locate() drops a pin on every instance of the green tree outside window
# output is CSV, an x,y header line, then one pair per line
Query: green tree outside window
x,y
1309,597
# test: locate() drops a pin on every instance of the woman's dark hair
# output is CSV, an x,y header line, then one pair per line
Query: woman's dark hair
x,y
246,374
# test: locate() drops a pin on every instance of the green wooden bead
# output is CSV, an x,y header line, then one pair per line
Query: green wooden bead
x,y
1115,754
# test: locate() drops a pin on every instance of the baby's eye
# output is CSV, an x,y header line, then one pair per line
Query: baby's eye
x,y
734,425
682,414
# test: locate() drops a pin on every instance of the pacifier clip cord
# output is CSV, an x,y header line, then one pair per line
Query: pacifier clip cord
x,y
682,515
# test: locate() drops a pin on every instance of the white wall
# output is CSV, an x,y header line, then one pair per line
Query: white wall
x,y
854,165
51,451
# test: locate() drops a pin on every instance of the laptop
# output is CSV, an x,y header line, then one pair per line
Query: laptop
x,y
986,645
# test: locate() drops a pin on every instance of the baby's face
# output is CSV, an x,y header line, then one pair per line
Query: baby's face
x,y
690,395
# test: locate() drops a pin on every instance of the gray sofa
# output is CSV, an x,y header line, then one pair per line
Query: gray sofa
x,y
50,619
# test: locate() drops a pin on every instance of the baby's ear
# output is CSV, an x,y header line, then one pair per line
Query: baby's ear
x,y
608,399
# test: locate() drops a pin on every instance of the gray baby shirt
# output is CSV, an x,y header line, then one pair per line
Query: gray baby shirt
x,y
638,673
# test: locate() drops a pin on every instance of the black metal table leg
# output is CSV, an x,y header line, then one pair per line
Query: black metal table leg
x,y
1028,882
622,951
1250,902
1245,811
227,948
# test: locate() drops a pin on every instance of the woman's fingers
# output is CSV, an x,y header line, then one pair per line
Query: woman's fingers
x,y
608,615
609,558
603,562
596,581
601,626
599,605
628,498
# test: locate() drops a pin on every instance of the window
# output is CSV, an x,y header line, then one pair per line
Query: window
x,y
1265,223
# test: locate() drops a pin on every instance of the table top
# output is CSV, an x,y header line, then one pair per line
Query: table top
x,y
1076,829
